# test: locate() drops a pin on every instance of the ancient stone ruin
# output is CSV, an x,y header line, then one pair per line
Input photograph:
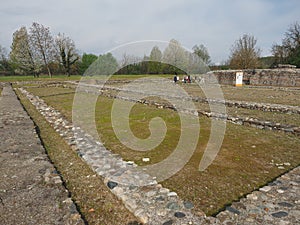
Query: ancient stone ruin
x,y
284,77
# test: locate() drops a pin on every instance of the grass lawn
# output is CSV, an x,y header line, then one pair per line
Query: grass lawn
x,y
274,95
275,117
95,202
246,161
41,78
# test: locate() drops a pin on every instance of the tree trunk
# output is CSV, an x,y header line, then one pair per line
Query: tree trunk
x,y
49,72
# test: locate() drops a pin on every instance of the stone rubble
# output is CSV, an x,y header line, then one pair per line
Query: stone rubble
x,y
276,203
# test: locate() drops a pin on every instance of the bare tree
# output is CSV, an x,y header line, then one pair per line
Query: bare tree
x,y
280,54
292,37
129,59
22,56
66,52
245,53
42,43
289,50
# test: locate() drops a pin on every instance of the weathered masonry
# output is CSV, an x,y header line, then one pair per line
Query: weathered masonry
x,y
284,77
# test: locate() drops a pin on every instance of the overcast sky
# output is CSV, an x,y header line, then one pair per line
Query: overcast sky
x,y
97,26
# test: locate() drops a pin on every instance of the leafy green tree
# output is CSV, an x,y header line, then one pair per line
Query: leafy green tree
x,y
86,61
105,65
244,53
294,58
22,56
202,52
155,54
66,52
154,64
176,56
4,64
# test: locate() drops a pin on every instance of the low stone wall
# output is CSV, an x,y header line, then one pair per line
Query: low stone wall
x,y
248,121
268,77
230,103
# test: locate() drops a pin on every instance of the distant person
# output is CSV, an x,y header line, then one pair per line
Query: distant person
x,y
176,78
185,79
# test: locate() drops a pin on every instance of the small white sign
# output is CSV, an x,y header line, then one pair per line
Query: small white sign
x,y
239,79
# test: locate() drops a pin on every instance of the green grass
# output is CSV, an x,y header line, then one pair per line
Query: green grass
x,y
274,95
87,189
245,162
275,117
41,78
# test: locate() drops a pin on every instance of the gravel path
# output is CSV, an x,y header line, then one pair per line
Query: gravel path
x,y
31,191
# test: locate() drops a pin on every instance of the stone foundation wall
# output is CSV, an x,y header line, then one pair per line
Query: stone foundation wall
x,y
265,77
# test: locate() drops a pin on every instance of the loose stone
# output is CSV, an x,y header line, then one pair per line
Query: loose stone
x,y
188,205
285,204
265,189
179,215
173,206
169,222
172,194
280,214
233,210
112,184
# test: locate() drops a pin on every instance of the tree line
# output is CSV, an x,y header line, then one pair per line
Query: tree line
x,y
174,59
36,51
